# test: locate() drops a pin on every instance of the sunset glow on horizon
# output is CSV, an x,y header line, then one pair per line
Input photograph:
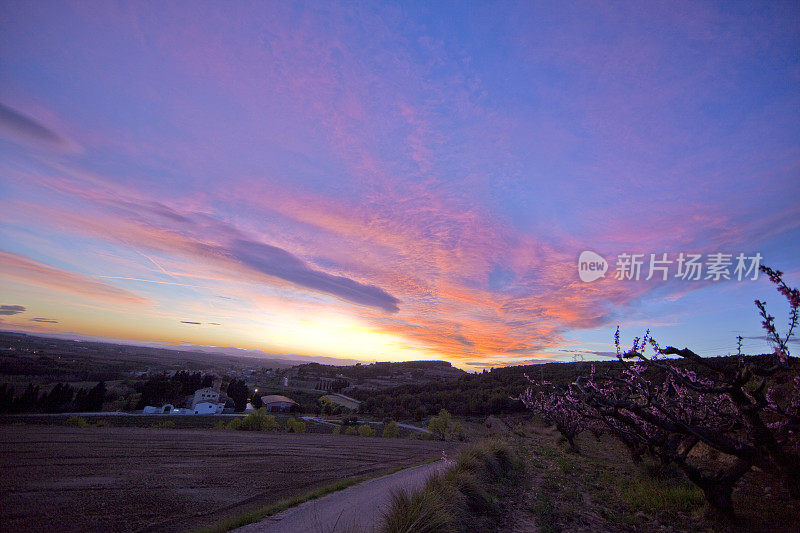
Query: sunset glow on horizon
x,y
395,181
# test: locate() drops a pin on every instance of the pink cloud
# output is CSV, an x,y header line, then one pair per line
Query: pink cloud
x,y
26,270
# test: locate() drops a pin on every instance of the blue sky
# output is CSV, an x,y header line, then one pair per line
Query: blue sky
x,y
394,181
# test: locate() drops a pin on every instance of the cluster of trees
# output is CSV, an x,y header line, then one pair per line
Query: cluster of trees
x,y
62,398
671,402
174,389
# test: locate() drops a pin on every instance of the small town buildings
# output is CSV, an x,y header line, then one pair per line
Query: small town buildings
x,y
278,403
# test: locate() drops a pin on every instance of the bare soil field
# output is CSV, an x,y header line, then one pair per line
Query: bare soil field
x,y
137,479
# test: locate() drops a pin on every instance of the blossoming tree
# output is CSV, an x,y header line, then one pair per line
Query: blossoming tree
x,y
671,403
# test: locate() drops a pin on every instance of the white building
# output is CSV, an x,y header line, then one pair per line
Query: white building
x,y
208,408
205,395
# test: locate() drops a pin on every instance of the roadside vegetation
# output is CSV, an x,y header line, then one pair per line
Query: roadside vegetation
x,y
472,495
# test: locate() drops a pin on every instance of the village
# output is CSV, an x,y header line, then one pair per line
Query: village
x,y
211,401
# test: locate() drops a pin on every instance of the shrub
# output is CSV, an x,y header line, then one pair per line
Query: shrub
x,y
391,430
336,431
234,423
295,426
351,430
365,430
164,424
76,421
101,423
258,420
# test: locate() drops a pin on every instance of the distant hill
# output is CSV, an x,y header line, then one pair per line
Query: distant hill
x,y
23,355
420,369
382,375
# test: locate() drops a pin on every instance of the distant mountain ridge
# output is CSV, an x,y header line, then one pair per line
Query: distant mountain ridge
x,y
276,359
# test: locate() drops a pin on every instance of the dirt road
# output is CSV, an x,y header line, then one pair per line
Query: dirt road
x,y
137,479
357,508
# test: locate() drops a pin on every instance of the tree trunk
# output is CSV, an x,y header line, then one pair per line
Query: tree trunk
x,y
717,487
572,446
719,499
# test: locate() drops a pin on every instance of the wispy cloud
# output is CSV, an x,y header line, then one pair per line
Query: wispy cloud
x,y
22,127
26,270
11,309
44,320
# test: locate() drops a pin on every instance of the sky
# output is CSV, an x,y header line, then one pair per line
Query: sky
x,y
397,181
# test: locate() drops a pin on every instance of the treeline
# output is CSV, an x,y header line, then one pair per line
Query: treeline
x,y
63,398
164,388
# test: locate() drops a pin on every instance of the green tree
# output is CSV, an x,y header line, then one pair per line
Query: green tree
x,y
238,392
256,401
439,425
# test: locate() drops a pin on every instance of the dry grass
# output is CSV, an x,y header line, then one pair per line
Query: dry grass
x,y
470,496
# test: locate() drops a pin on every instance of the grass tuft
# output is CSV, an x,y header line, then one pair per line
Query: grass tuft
x,y
419,512
466,497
